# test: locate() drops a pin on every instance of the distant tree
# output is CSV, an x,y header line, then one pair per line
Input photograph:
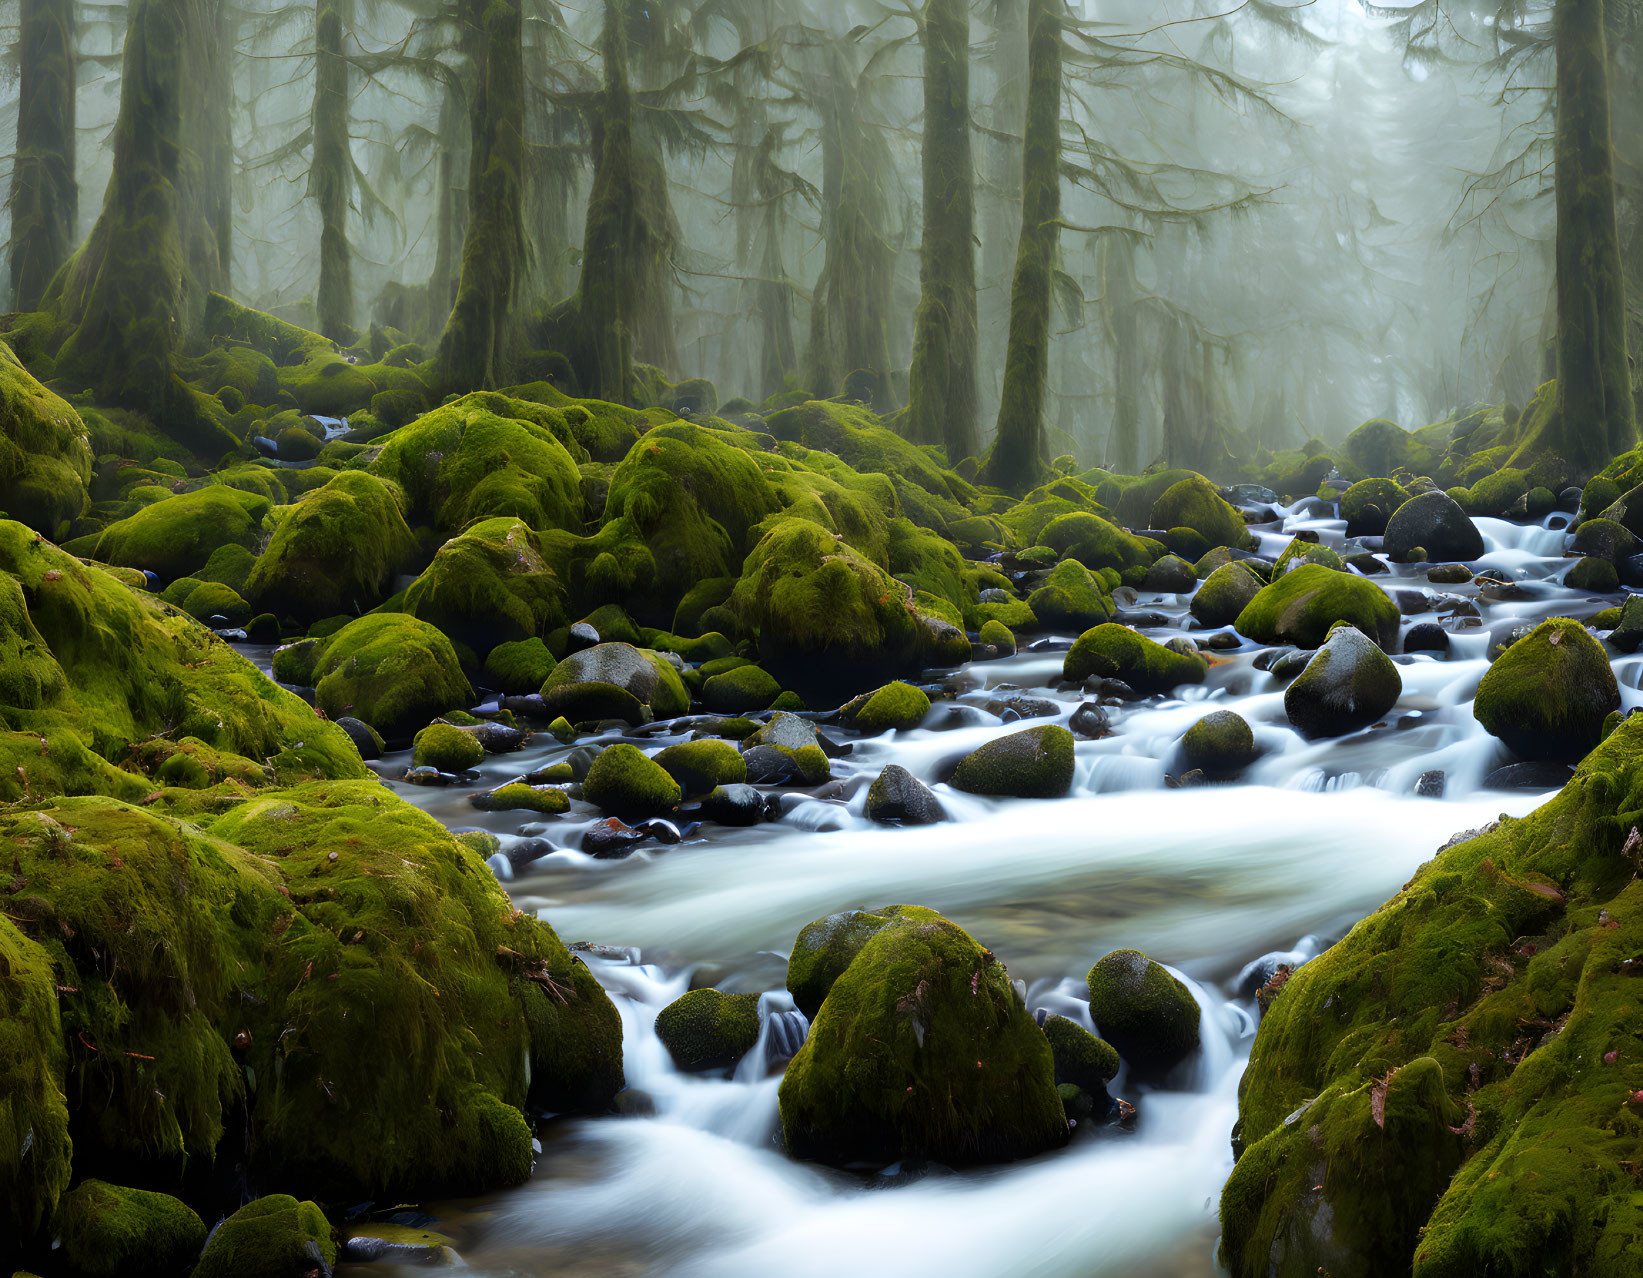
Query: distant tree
x,y
45,196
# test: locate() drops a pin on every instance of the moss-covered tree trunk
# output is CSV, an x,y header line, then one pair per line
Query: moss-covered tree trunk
x,y
1017,459
493,252
941,398
1118,312
136,289
330,179
45,198
451,217
1596,415
999,208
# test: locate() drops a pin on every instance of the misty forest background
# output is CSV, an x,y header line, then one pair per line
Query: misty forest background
x,y
1276,219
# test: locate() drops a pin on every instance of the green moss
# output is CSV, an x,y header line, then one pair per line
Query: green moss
x,y
995,634
174,537
1197,504
35,1148
862,441
272,1237
922,1049
1368,504
1145,1013
1299,553
338,550
520,667
1113,651
228,565
45,452
1224,594
447,749
1547,695
108,1231
390,670
1301,607
627,784
204,600
1494,494
1095,543
1087,1062
1379,448
825,948
1605,539
517,796
1219,744
896,707
1071,598
491,584
739,690
705,1029
1593,576
615,681
1036,763
700,766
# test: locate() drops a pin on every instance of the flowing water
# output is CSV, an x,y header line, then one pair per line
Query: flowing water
x,y
1219,883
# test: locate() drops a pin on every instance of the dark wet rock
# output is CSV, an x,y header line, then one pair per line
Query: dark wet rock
x,y
1529,776
1569,499
739,805
1033,764
1226,592
1348,685
580,638
1449,575
1628,634
1288,664
1431,784
526,852
500,738
1221,744
1366,562
612,840
1548,694
1593,576
1144,1012
1091,722
1081,1059
1605,539
1435,523
707,1029
613,681
531,706
898,797
1250,495
1426,636
1010,709
1170,575
366,739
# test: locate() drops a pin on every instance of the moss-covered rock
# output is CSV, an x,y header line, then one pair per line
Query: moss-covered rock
x,y
517,796
392,671
1369,504
1225,593
173,537
826,618
1087,1062
627,784
1113,651
824,948
1071,598
995,634
45,451
35,1149
1607,540
1036,763
519,667
1448,1090
701,766
1593,576
615,681
1378,447
739,690
338,550
1196,504
1096,543
1221,744
273,1237
1148,1015
922,1049
1434,523
108,1231
447,749
1348,684
896,707
1547,695
1302,606
706,1029
490,584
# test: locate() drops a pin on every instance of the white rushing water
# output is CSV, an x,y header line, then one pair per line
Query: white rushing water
x,y
690,1179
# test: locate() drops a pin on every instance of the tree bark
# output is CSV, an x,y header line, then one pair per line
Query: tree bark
x,y
45,197
330,179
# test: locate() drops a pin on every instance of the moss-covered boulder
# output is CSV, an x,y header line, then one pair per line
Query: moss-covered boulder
x,y
1593,576
1221,744
701,766
1378,447
173,537
338,550
706,1029
1450,1089
826,618
108,1231
786,746
273,1237
1369,504
1148,1015
624,782
1071,598
1113,651
1432,522
1302,606
1097,543
1607,540
1036,763
825,947
392,671
615,681
740,690
45,451
1087,1062
517,796
1348,684
997,636
1225,593
519,667
1547,695
490,584
35,1149
922,1049
896,707
446,749
1196,504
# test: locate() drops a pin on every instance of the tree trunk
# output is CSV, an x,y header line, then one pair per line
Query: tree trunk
x,y
1118,309
45,198
452,215
330,180
941,401
493,253
999,209
1017,459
